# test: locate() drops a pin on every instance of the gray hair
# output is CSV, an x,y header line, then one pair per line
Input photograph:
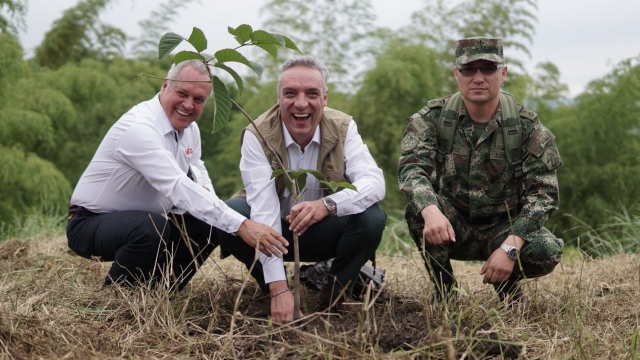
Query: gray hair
x,y
194,64
307,61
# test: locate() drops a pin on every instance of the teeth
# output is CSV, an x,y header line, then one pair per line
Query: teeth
x,y
182,113
301,115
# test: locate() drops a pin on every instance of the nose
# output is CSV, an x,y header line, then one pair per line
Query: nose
x,y
301,101
188,103
478,76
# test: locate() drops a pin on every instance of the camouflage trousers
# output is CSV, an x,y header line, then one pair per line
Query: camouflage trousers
x,y
538,257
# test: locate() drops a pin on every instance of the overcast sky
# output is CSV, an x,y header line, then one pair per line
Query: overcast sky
x,y
584,38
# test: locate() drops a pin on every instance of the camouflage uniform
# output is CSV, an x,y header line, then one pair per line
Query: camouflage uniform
x,y
478,191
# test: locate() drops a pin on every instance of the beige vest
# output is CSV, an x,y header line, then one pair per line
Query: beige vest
x,y
333,130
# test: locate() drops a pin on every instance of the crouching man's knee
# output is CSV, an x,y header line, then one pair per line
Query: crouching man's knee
x,y
541,254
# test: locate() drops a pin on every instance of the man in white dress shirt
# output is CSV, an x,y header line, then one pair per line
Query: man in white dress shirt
x,y
137,203
346,225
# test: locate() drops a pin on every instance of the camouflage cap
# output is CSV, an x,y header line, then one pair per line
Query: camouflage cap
x,y
479,48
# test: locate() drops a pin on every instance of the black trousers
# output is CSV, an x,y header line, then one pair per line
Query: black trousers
x,y
351,240
143,246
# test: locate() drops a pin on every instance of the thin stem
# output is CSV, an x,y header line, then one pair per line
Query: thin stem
x,y
296,251
163,78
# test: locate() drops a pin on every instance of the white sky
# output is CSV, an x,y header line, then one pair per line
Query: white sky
x,y
584,38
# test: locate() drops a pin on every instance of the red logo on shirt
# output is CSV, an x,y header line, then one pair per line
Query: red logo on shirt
x,y
188,151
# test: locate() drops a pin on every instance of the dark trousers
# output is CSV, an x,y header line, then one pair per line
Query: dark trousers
x,y
351,240
143,246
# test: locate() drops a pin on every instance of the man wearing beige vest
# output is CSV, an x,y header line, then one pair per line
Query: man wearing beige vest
x,y
346,226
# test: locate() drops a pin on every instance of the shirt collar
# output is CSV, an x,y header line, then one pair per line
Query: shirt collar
x,y
288,140
161,116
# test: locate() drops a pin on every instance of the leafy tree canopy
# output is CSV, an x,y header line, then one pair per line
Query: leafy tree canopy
x,y
12,14
79,34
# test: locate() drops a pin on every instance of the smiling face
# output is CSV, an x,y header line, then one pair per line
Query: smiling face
x,y
182,101
302,99
480,89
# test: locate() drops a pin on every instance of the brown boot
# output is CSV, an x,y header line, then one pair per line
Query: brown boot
x,y
346,303
260,305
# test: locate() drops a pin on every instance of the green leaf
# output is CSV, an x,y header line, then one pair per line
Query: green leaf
x,y
280,39
276,173
198,40
167,43
233,73
346,185
271,49
263,37
317,174
243,32
288,43
226,55
222,102
334,186
301,180
257,68
186,55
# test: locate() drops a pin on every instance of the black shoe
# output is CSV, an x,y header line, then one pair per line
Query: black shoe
x,y
345,303
260,305
509,291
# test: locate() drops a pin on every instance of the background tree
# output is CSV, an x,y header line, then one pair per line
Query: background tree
x,y
599,141
336,31
79,34
12,14
157,24
27,181
404,79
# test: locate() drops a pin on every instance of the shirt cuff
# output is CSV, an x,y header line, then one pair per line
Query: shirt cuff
x,y
273,270
232,221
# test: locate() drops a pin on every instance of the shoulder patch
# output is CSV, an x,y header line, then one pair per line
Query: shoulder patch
x,y
418,123
409,141
527,114
437,103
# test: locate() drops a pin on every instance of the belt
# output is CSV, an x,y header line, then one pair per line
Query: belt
x,y
76,210
489,220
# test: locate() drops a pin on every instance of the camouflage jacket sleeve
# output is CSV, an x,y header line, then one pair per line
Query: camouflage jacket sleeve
x,y
417,162
540,183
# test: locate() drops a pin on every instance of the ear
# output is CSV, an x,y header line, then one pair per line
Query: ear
x,y
326,97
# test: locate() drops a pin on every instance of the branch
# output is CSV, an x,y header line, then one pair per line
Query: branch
x,y
296,251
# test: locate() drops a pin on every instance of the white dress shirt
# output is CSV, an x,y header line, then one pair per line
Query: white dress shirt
x,y
142,164
256,171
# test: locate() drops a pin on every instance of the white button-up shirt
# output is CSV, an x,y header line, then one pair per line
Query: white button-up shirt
x,y
361,170
142,164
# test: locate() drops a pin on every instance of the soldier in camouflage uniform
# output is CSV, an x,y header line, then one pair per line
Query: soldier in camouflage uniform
x,y
476,196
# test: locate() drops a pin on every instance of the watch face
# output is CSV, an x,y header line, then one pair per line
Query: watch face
x,y
513,254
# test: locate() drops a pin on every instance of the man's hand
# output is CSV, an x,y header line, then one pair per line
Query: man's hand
x,y
281,305
437,228
499,267
305,214
271,242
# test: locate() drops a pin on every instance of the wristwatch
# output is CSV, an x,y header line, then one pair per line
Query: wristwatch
x,y
511,251
330,205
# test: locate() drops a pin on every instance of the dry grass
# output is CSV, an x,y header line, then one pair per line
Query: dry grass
x,y
51,306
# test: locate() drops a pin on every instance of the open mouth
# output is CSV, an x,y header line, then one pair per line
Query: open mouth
x,y
182,113
301,118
